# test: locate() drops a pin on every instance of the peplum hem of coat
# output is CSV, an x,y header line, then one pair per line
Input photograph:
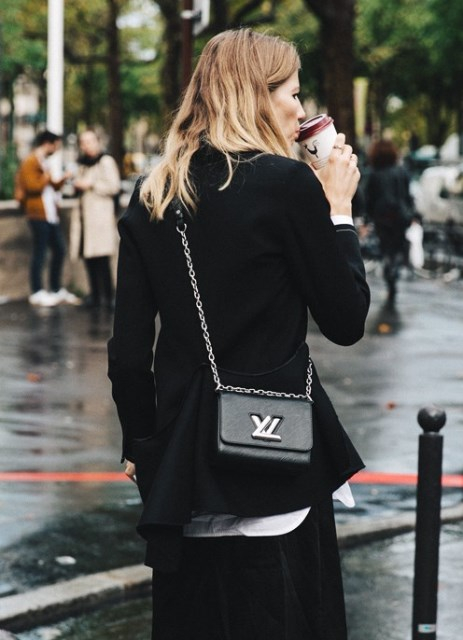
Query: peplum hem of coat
x,y
176,475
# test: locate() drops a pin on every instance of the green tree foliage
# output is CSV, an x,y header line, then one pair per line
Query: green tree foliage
x,y
105,42
444,38
123,57
411,49
21,52
21,21
111,53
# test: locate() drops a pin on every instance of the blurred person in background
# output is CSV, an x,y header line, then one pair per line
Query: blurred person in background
x,y
39,202
414,235
93,226
390,206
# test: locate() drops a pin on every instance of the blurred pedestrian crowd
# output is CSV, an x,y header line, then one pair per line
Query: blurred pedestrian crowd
x,y
388,214
96,184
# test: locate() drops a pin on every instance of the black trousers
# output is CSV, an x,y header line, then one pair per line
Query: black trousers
x,y
285,587
100,279
46,236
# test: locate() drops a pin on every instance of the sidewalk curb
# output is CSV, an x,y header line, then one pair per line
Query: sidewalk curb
x,y
358,533
55,602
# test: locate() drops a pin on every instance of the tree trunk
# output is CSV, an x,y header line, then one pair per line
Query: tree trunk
x,y
116,118
337,18
220,16
87,85
459,112
171,76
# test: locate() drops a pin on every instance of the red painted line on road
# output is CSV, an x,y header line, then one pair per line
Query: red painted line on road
x,y
379,477
62,476
363,477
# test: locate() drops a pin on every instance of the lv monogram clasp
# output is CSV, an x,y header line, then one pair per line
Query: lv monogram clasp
x,y
266,427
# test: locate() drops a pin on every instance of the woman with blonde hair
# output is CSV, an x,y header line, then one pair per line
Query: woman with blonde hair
x,y
238,553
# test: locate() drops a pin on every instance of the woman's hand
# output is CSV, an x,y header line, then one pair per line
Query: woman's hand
x,y
130,471
340,177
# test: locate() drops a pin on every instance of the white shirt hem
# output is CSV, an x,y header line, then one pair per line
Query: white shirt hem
x,y
215,525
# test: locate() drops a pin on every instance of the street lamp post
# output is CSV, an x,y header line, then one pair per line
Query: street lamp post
x,y
187,41
55,74
195,18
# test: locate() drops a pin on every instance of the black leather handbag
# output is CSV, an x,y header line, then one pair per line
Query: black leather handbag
x,y
259,429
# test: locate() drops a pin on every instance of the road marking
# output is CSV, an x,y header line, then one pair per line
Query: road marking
x,y
363,477
62,476
379,477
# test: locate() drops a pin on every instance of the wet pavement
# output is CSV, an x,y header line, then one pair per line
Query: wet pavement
x,y
56,415
378,586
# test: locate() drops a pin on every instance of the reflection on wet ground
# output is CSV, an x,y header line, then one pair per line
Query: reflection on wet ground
x,y
387,321
75,534
379,587
55,390
56,413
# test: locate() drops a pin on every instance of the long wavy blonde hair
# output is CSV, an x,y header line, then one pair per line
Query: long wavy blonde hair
x,y
227,106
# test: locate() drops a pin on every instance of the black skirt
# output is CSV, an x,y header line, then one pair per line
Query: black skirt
x,y
285,587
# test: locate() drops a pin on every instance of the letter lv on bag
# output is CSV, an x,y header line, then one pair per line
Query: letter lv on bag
x,y
265,429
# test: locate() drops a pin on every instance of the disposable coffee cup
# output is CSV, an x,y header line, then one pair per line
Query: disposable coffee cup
x,y
316,137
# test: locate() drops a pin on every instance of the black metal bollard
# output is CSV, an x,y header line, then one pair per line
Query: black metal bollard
x,y
428,501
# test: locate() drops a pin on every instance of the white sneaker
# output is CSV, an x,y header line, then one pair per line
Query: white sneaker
x,y
43,298
66,297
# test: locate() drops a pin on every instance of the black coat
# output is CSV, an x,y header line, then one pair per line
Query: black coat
x,y
264,250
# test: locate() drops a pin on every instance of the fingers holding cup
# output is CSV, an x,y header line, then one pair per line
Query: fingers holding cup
x,y
339,144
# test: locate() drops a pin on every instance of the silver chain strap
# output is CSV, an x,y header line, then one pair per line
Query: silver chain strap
x,y
215,374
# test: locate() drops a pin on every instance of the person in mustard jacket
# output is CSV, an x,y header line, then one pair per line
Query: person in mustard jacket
x,y
39,203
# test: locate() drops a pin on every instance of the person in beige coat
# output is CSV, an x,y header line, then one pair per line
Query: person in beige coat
x,y
93,229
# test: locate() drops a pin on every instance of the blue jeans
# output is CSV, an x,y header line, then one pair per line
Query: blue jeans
x,y
44,236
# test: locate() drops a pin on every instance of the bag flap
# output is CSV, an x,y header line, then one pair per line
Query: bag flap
x,y
260,421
